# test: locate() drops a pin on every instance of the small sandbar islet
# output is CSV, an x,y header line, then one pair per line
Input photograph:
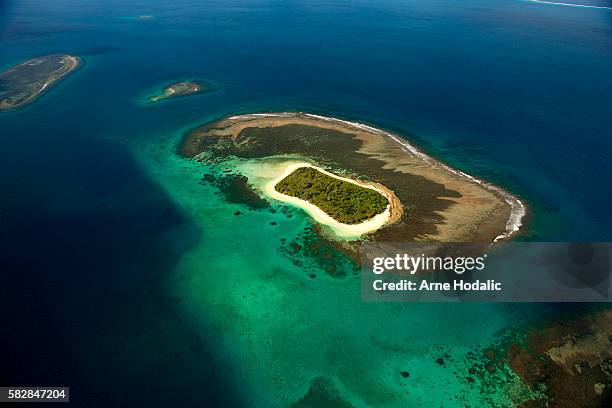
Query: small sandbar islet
x,y
179,89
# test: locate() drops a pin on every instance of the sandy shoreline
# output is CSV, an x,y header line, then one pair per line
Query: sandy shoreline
x,y
72,63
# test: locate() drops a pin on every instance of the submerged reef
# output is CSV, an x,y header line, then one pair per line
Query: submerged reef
x,y
565,362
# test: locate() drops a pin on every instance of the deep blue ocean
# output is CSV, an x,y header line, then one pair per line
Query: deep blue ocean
x,y
512,91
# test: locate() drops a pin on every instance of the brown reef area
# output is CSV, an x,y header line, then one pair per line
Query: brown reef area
x,y
568,360
439,203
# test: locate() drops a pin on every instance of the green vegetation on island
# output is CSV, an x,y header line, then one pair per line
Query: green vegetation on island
x,y
23,83
344,201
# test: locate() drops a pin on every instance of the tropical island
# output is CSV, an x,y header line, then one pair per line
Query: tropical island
x,y
345,201
428,200
348,207
178,89
25,82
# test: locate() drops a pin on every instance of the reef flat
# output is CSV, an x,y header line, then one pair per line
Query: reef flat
x,y
566,361
25,82
438,202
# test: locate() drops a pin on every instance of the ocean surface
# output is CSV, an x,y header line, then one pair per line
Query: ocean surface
x,y
128,279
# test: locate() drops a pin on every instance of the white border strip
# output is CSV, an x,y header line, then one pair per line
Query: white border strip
x,y
571,4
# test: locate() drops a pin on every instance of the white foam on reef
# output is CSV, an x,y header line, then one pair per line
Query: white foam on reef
x,y
517,208
571,4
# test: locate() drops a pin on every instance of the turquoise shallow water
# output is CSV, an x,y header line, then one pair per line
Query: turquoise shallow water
x,y
151,279
285,328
